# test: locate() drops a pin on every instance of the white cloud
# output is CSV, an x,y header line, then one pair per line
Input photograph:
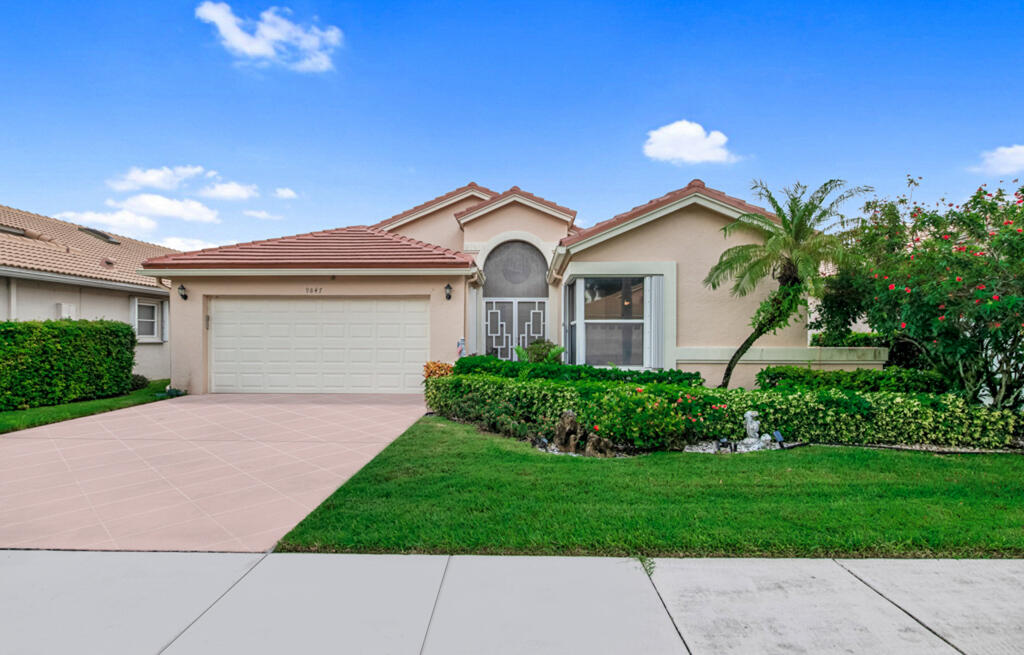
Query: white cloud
x,y
273,38
262,215
151,204
187,243
166,178
1004,160
230,191
685,142
285,193
123,222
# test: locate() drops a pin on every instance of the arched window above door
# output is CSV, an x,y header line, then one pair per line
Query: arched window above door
x,y
515,269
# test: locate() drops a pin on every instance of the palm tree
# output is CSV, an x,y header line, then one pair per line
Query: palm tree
x,y
792,247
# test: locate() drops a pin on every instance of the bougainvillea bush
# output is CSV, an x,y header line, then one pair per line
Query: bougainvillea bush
x,y
950,279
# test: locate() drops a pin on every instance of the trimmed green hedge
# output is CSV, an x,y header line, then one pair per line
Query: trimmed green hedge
x,y
55,362
488,365
667,417
893,378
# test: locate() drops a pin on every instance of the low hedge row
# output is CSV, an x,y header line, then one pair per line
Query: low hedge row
x,y
489,365
667,417
893,378
53,362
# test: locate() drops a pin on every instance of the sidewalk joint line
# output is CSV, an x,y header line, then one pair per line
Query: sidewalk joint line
x,y
670,617
897,606
215,601
437,598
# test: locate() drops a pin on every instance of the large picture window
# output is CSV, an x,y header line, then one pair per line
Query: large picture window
x,y
609,321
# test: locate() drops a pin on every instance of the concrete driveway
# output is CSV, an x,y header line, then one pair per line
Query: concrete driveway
x,y
216,472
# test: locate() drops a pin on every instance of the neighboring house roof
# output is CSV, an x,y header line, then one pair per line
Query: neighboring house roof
x,y
512,195
358,246
695,187
455,195
40,243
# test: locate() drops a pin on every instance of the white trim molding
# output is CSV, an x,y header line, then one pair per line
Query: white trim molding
x,y
307,272
60,278
794,355
522,200
667,270
430,209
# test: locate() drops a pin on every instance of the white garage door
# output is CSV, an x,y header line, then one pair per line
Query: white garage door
x,y
317,345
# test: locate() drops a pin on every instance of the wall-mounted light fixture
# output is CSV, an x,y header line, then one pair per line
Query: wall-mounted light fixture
x,y
447,292
182,292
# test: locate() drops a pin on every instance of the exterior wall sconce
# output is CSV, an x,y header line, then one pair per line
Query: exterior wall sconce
x,y
447,292
182,292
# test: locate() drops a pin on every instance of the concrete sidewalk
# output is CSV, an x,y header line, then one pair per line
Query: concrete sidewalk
x,y
121,602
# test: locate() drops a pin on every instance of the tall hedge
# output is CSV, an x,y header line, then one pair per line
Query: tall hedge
x,y
490,365
667,417
53,362
893,378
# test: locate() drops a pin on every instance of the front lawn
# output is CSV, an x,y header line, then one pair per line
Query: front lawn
x,y
444,487
30,418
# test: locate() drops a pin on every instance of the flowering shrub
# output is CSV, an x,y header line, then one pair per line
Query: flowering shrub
x,y
489,365
950,279
893,378
667,417
436,370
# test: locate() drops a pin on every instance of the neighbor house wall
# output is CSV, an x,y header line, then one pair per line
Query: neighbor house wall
x,y
189,338
36,300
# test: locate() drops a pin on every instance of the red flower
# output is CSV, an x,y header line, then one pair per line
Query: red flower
x,y
942,318
639,389
946,237
959,279
981,286
876,276
1020,229
886,277
1007,222
942,306
891,287
597,429
998,325
903,325
995,297
907,289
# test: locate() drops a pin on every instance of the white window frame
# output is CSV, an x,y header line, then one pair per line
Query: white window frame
x,y
158,320
581,321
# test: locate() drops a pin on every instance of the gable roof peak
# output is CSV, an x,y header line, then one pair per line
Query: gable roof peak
x,y
497,200
435,203
697,182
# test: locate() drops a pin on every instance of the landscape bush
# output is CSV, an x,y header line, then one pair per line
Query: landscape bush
x,y
54,362
436,369
893,378
668,417
489,365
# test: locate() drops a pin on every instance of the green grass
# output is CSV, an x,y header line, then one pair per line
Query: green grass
x,y
443,487
30,418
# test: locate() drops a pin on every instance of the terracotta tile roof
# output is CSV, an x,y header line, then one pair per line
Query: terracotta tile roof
x,y
358,246
54,246
695,186
436,201
516,191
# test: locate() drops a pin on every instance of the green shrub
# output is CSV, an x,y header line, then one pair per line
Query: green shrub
x,y
894,378
667,417
488,365
540,351
139,382
55,362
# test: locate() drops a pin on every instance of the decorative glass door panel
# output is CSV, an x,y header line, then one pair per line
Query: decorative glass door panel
x,y
511,322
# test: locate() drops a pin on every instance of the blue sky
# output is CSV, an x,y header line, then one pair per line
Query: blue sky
x,y
365,109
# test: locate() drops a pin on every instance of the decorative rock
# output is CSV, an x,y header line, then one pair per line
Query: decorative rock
x,y
567,432
598,447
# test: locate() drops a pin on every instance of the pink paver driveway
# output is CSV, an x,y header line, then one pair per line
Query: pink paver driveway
x,y
218,472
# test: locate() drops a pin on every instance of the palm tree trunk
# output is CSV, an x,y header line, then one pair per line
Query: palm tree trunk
x,y
740,352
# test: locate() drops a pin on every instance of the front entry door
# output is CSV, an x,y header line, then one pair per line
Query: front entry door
x,y
512,322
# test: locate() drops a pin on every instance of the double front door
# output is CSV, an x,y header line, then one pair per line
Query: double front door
x,y
511,322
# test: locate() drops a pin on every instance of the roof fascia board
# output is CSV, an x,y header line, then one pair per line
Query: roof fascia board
x,y
430,209
298,272
62,278
520,199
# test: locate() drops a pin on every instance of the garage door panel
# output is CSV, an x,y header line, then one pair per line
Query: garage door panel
x,y
286,345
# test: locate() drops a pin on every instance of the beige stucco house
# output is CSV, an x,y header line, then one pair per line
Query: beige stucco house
x,y
52,269
359,309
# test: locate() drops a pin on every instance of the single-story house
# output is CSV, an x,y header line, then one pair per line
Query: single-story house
x,y
51,269
359,309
